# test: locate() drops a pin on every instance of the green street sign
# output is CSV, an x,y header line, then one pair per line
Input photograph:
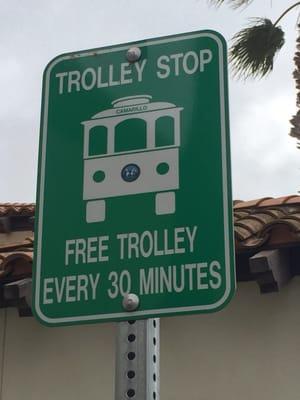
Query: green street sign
x,y
134,208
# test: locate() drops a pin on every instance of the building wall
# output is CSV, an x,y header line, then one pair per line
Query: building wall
x,y
2,345
249,351
57,363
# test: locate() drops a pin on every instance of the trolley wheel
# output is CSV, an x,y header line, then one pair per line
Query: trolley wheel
x,y
95,211
165,203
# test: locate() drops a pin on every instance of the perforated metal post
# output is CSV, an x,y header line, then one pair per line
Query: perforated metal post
x,y
137,360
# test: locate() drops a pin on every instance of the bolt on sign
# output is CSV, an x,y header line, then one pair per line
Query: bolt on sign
x,y
134,209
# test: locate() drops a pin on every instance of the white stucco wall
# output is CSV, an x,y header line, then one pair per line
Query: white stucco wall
x,y
2,344
249,351
57,363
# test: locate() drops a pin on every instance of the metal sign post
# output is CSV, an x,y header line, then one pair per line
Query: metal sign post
x,y
137,360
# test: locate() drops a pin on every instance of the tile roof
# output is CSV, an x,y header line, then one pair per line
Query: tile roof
x,y
16,217
17,209
16,260
259,224
267,222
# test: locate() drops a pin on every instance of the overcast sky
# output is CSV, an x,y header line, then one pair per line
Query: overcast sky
x,y
265,160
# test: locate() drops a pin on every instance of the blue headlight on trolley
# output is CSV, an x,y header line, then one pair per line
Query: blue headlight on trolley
x,y
130,172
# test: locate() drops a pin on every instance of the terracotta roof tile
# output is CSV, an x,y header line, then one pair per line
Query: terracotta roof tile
x,y
268,202
267,222
280,201
15,265
16,260
27,243
242,232
17,209
293,200
241,214
250,203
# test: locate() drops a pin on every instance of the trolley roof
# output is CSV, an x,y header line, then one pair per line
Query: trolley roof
x,y
133,105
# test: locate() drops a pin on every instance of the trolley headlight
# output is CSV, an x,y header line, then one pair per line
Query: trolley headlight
x,y
99,176
130,172
162,168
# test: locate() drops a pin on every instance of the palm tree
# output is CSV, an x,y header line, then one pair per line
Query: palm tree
x,y
254,48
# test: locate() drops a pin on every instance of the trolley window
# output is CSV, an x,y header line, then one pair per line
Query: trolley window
x,y
164,131
98,141
131,134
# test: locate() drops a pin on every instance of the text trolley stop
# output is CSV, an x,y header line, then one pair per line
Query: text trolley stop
x,y
134,192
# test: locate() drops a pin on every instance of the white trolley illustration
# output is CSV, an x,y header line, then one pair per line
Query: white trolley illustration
x,y
130,149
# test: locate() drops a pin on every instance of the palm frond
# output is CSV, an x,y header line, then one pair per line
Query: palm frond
x,y
232,3
254,48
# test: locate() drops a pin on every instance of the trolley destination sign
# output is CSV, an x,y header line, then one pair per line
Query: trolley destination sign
x,y
134,209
